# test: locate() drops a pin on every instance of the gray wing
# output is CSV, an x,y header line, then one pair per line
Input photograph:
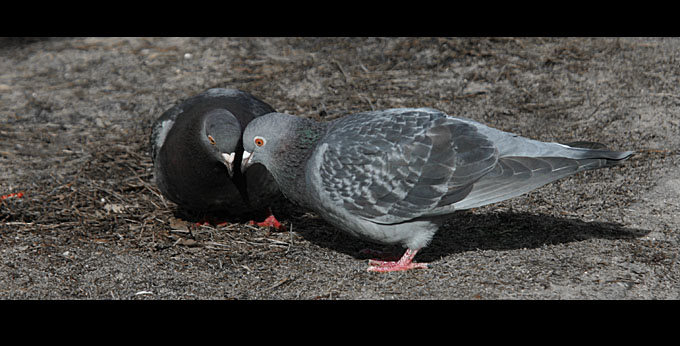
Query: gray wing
x,y
396,165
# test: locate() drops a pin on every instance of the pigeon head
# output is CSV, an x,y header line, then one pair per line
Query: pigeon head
x,y
282,143
222,133
262,138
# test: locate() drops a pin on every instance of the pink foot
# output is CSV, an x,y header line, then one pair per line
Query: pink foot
x,y
270,221
203,223
404,263
211,222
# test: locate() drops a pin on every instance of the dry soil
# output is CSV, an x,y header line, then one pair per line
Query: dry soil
x,y
75,117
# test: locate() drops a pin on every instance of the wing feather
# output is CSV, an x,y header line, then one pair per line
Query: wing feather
x,y
396,165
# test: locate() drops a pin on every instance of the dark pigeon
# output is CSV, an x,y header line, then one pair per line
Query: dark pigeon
x,y
393,176
196,150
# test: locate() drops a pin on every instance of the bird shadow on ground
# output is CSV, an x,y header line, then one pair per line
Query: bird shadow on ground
x,y
466,231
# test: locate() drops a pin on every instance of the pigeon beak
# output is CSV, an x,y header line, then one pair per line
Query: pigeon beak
x,y
229,162
245,163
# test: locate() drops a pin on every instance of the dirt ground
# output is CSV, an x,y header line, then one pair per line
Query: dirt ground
x,y
75,117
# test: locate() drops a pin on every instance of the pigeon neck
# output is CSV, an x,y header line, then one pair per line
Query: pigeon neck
x,y
293,157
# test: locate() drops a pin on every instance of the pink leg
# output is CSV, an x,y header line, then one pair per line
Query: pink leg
x,y
404,263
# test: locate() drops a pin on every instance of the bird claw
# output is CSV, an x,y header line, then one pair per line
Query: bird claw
x,y
393,266
270,221
211,222
404,263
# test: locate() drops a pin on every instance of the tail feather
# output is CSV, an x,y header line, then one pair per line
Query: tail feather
x,y
510,144
586,145
594,150
516,175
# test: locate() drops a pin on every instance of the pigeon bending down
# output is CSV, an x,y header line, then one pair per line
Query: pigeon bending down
x,y
393,176
196,150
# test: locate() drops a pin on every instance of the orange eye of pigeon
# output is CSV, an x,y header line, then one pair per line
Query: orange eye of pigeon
x,y
259,141
211,139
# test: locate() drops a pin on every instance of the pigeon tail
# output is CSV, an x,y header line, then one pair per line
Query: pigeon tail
x,y
515,175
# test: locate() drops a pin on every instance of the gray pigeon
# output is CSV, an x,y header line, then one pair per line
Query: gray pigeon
x,y
393,176
197,149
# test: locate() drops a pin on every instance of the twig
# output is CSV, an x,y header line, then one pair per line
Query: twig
x,y
281,282
347,78
367,99
17,223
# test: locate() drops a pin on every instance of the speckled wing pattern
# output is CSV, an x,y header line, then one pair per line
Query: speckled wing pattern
x,y
395,165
